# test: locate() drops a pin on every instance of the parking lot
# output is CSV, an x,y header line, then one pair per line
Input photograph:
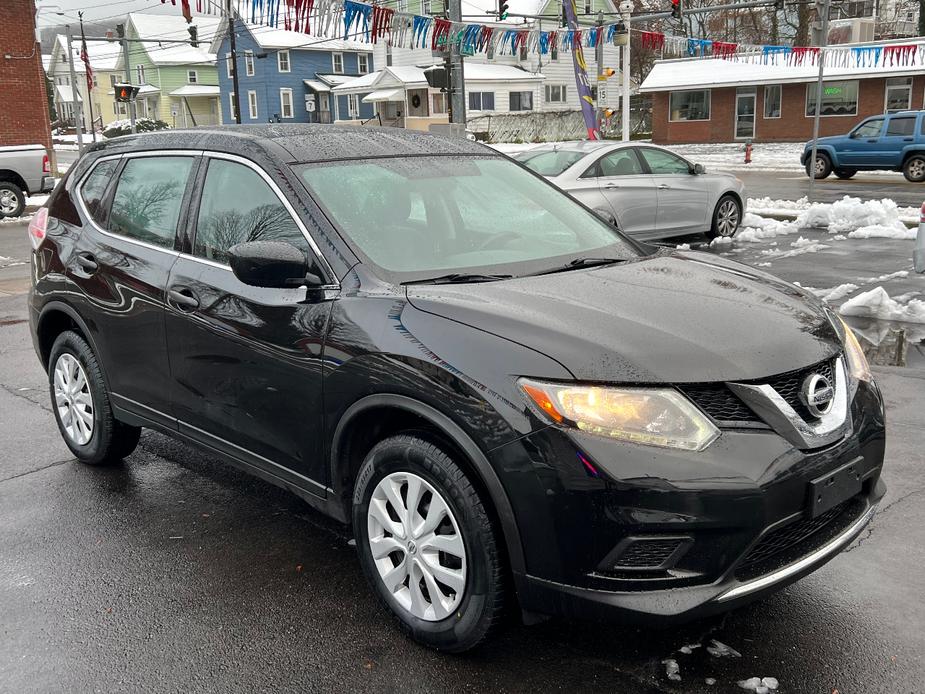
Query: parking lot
x,y
173,572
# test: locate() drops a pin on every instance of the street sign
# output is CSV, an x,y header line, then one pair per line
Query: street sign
x,y
601,92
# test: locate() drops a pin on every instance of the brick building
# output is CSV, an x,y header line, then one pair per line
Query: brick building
x,y
712,100
24,116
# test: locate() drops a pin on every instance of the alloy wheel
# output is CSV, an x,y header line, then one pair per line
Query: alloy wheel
x,y
73,399
8,201
820,166
727,218
416,546
917,168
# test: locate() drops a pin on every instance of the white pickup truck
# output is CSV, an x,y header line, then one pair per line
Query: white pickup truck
x,y
24,170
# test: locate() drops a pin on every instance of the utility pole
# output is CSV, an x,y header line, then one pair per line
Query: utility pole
x,y
457,74
626,10
75,92
823,6
599,58
235,96
126,59
83,47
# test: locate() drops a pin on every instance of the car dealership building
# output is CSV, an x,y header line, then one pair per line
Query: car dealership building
x,y
715,100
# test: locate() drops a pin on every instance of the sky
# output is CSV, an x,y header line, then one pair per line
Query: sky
x,y
96,10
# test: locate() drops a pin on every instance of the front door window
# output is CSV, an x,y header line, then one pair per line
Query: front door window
x,y
745,116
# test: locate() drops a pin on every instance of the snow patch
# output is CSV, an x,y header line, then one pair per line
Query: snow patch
x,y
760,685
879,231
892,276
683,246
877,304
756,229
718,649
672,669
689,648
835,293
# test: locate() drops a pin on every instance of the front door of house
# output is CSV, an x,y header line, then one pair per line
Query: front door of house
x,y
745,116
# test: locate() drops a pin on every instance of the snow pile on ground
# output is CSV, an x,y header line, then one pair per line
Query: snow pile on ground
x,y
672,670
849,213
756,229
877,304
718,649
835,293
882,232
760,685
766,156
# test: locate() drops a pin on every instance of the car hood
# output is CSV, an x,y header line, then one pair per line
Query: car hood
x,y
829,139
673,317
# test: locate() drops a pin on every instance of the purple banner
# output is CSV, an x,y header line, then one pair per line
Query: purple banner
x,y
581,72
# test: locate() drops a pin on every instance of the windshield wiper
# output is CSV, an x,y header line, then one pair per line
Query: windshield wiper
x,y
459,278
581,262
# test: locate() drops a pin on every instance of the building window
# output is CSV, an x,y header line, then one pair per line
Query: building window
x,y
113,80
439,101
898,94
363,63
249,63
192,76
282,61
555,93
337,61
772,101
353,105
589,7
285,103
520,101
231,106
426,8
838,99
252,104
228,65
692,105
95,81
140,74
481,101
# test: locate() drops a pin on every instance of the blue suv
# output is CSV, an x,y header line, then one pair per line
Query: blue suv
x,y
891,142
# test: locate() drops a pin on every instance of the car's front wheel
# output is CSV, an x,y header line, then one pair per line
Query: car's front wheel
x,y
727,216
81,404
822,168
914,168
12,200
427,544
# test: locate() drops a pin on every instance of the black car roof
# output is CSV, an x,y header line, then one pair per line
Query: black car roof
x,y
302,142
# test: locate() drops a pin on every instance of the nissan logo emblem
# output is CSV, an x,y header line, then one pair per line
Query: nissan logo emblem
x,y
818,395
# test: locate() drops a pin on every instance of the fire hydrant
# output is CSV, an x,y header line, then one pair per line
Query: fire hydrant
x,y
748,152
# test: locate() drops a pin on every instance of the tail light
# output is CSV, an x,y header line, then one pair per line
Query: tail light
x,y
922,217
37,227
46,165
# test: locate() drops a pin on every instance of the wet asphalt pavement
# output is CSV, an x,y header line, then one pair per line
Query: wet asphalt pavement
x,y
174,572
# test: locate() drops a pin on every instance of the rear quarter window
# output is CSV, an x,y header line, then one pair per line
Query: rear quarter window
x,y
94,188
898,127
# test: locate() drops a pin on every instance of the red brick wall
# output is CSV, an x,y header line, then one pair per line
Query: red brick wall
x,y
24,116
792,126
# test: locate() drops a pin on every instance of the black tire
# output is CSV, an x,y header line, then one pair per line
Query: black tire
x,y
914,168
845,174
481,608
110,440
728,210
824,168
10,193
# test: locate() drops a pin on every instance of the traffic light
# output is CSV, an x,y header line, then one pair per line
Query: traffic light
x,y
676,9
502,9
193,35
125,93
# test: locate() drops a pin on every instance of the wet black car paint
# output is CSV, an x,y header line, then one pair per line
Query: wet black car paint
x,y
283,384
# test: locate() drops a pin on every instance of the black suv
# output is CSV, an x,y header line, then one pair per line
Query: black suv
x,y
511,402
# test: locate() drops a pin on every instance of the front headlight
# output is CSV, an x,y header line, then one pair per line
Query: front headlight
x,y
650,416
858,368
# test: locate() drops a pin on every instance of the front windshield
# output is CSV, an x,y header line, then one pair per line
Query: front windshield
x,y
418,217
549,162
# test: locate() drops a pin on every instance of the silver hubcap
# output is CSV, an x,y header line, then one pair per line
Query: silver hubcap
x,y
8,201
727,218
416,546
917,168
820,166
73,399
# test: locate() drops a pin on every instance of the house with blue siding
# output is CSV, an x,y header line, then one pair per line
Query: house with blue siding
x,y
288,76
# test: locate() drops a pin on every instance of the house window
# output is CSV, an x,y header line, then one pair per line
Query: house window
x,y
363,63
554,52
282,61
426,8
228,65
337,60
772,101
249,63
521,101
555,93
838,99
692,105
140,74
439,102
481,101
285,103
589,6
95,81
898,94
353,105
113,80
401,6
252,104
192,76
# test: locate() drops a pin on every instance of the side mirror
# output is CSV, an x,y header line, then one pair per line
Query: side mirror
x,y
698,169
855,135
271,264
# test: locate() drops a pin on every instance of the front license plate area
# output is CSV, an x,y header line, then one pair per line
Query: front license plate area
x,y
834,487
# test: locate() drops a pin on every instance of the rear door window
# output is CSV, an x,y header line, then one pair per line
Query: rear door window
x,y
148,198
622,162
94,188
899,127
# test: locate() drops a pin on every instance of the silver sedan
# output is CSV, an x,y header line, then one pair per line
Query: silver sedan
x,y
648,191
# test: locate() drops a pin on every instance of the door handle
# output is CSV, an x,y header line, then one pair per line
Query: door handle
x,y
183,298
663,186
908,139
87,262
873,142
611,185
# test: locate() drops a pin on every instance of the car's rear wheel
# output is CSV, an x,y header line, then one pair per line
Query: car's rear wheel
x,y
914,168
12,199
727,216
822,168
427,544
845,174
81,404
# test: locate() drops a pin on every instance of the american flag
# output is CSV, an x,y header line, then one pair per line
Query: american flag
x,y
86,60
